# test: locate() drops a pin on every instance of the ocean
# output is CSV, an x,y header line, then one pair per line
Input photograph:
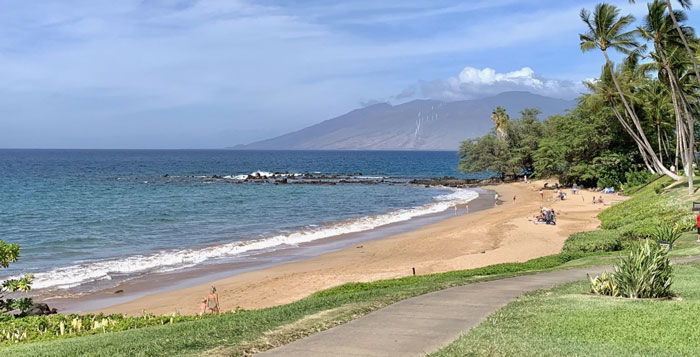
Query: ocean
x,y
93,218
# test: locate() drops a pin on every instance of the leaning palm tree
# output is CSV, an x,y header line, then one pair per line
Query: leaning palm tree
x,y
500,120
660,28
607,30
656,102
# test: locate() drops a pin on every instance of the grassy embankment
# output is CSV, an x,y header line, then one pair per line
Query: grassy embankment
x,y
562,321
250,331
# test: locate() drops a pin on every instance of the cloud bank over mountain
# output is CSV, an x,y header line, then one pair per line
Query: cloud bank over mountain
x,y
474,83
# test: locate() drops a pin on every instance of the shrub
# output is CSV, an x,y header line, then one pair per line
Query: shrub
x,y
604,285
594,241
667,233
658,188
9,253
637,178
644,273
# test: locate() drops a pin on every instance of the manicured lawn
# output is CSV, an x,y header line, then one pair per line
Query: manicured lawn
x,y
563,322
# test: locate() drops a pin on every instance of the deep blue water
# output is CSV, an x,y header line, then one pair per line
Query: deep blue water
x,y
85,215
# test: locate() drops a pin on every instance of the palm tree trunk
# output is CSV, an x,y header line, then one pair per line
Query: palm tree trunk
x,y
658,140
643,153
677,152
635,120
691,136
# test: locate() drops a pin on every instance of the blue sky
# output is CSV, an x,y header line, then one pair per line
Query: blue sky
x,y
214,73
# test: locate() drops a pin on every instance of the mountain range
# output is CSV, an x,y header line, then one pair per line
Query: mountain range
x,y
415,125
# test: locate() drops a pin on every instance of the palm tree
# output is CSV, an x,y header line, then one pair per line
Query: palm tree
x,y
500,120
660,28
656,103
606,29
604,93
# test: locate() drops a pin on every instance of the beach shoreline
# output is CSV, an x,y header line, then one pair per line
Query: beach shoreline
x,y
130,289
503,233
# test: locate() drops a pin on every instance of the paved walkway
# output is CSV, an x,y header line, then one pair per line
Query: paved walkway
x,y
426,323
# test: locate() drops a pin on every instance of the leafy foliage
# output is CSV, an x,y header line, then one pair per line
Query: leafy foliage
x,y
594,241
9,253
508,150
668,233
604,284
645,272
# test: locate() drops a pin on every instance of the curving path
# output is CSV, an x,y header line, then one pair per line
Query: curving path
x,y
426,323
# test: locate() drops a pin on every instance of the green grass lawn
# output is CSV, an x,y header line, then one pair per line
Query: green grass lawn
x,y
563,322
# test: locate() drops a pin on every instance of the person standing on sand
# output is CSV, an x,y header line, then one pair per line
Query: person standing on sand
x,y
495,199
541,195
213,301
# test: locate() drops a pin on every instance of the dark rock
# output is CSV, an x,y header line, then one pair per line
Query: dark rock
x,y
39,309
119,291
166,175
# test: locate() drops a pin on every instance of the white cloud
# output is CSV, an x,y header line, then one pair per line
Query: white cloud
x,y
474,82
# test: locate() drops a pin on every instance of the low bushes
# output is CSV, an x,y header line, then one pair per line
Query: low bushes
x,y
638,217
644,273
594,241
667,233
47,327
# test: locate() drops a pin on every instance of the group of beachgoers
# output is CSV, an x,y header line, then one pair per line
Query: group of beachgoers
x,y
546,216
210,303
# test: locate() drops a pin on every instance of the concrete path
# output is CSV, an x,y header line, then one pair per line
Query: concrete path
x,y
426,323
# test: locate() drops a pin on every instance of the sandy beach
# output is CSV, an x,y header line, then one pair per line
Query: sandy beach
x,y
505,233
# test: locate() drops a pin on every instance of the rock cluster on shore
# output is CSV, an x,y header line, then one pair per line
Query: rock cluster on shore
x,y
449,181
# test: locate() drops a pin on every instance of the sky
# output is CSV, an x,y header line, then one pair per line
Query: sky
x,y
214,73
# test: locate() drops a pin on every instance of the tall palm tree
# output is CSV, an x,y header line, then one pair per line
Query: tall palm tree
x,y
604,93
500,120
607,30
660,28
656,103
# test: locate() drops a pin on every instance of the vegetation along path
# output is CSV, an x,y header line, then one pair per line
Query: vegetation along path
x,y
426,323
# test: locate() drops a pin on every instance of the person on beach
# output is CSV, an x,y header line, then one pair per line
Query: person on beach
x,y
541,195
203,306
495,199
213,301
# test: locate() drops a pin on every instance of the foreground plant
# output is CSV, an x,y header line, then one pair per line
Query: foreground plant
x,y
9,253
646,272
667,233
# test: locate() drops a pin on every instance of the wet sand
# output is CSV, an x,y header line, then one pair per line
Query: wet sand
x,y
504,233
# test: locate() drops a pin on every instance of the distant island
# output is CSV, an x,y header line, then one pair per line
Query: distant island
x,y
415,125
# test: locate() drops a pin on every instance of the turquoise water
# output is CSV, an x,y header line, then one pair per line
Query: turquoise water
x,y
88,215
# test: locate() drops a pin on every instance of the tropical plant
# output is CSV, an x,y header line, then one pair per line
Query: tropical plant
x,y
607,30
604,284
9,253
668,233
500,121
646,272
